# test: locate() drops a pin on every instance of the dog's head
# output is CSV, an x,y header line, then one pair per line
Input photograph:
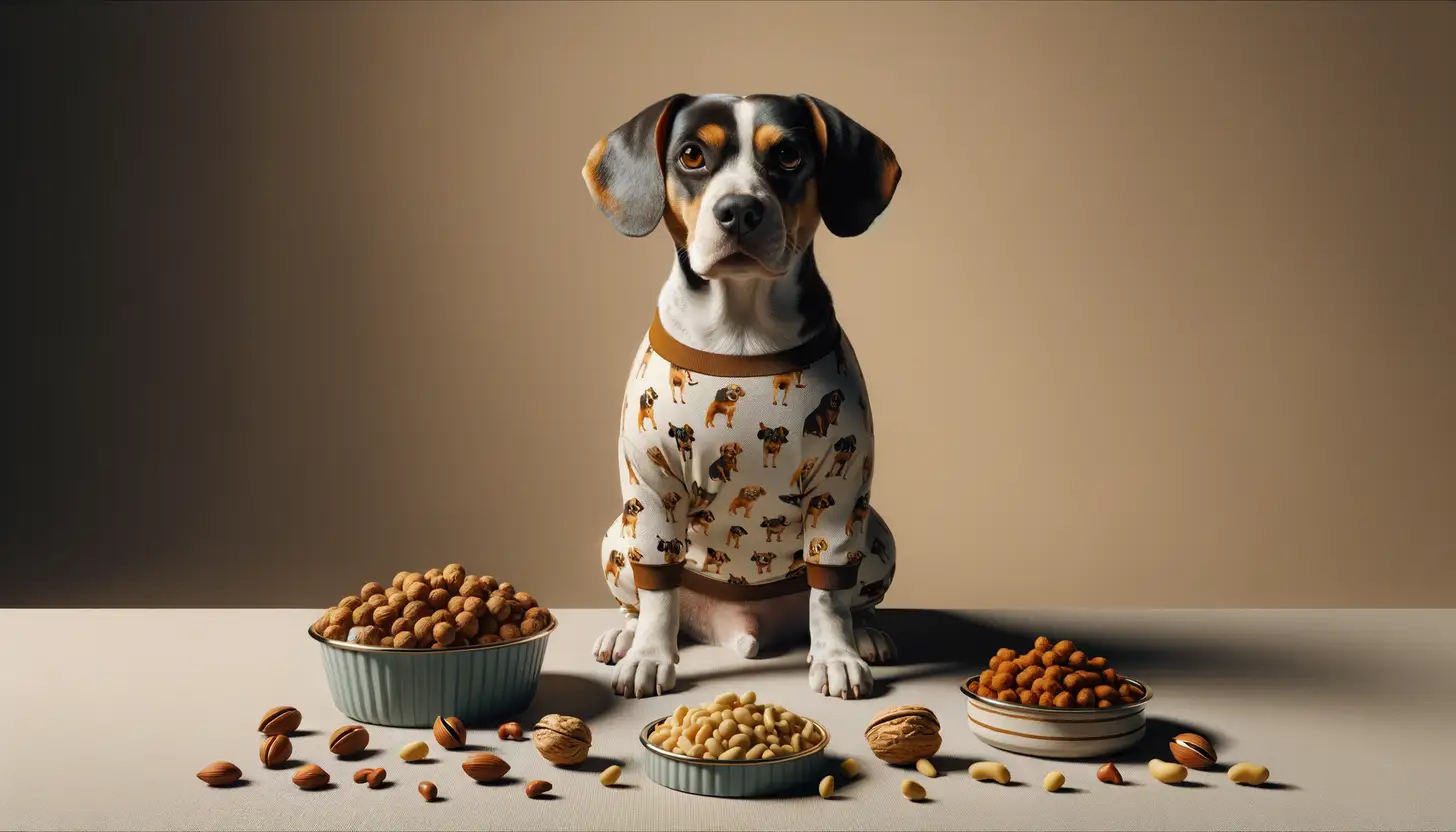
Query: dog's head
x,y
742,182
752,492
649,395
633,506
671,498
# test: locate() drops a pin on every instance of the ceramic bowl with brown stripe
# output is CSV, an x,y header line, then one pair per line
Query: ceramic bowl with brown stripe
x,y
1060,733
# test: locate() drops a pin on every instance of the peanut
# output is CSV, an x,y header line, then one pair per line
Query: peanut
x,y
414,751
1054,780
1248,774
1165,772
988,770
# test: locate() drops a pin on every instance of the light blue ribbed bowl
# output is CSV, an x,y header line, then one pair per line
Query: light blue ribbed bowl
x,y
408,688
731,778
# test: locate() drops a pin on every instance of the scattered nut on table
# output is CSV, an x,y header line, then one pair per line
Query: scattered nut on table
x,y
1193,751
850,767
349,740
826,787
275,750
428,790
414,751
220,773
1109,774
536,788
1166,772
284,719
926,768
310,778
362,775
449,732
1248,774
989,770
912,790
1054,781
902,734
485,768
376,778
511,732
610,775
562,740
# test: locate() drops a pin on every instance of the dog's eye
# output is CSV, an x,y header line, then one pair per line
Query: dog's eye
x,y
787,157
691,157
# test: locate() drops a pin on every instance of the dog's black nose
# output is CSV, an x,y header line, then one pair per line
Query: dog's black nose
x,y
739,214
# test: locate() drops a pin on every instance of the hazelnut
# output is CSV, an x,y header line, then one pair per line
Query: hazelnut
x,y
428,790
1109,774
449,732
385,615
341,615
508,588
497,608
439,598
417,591
336,632
454,575
902,734
405,640
398,582
532,626
488,584
349,602
400,625
349,740
525,600
444,633
363,614
284,719
370,635
424,632
466,625
509,632
387,641
416,609
433,572
562,740
511,731
1193,751
472,605
456,604
488,638
377,599
437,583
470,587
275,751
485,768
371,589
439,615
412,578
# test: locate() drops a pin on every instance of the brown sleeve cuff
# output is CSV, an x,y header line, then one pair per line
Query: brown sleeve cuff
x,y
657,576
833,577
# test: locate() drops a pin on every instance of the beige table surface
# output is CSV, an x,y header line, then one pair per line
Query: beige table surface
x,y
108,714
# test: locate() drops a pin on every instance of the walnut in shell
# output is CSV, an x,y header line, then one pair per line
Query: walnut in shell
x,y
562,740
903,734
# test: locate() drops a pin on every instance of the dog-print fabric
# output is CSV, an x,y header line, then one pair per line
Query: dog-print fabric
x,y
744,479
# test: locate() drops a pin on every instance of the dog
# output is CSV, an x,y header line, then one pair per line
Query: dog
x,y
630,510
843,453
860,513
773,442
826,414
615,564
783,381
683,434
816,549
735,533
747,496
726,464
763,560
669,505
816,507
725,401
680,380
699,521
774,526
645,409
743,185
715,561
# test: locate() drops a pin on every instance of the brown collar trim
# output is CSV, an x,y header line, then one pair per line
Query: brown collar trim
x,y
722,590
739,366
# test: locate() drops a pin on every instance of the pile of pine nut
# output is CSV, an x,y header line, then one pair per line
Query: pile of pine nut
x,y
734,727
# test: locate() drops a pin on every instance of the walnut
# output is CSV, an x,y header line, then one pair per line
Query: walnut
x,y
903,734
562,740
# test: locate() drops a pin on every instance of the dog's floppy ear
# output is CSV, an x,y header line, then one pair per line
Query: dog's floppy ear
x,y
624,169
859,174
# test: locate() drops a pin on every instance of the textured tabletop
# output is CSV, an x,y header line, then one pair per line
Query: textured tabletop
x,y
109,714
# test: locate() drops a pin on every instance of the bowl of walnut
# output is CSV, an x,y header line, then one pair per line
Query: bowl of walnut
x,y
1055,701
432,643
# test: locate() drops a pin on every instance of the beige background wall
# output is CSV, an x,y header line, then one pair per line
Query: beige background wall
x,y
1162,314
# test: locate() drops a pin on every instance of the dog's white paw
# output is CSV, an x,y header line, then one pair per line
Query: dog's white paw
x,y
746,646
644,672
875,646
839,672
612,645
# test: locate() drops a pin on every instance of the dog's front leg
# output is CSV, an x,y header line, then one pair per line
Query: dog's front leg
x,y
835,666
649,667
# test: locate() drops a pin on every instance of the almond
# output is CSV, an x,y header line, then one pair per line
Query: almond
x,y
485,768
220,773
310,777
